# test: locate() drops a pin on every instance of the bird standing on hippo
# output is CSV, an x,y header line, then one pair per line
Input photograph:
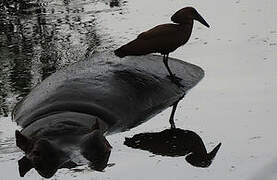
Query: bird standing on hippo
x,y
164,38
65,119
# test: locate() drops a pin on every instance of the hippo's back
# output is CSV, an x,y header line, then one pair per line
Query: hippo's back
x,y
122,92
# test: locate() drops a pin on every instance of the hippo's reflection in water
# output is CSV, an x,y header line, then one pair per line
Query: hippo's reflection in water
x,y
175,142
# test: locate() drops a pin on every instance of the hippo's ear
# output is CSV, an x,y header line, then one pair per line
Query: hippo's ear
x,y
96,149
100,125
22,141
24,165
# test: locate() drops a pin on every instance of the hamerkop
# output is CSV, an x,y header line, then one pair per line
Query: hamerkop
x,y
164,38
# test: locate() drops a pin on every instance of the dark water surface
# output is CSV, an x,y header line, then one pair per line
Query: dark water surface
x,y
39,37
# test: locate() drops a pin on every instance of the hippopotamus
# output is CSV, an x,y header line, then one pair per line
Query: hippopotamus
x,y
69,113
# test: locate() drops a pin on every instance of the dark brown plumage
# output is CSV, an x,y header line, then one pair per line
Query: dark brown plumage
x,y
164,38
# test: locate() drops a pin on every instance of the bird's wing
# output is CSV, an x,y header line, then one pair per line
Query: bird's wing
x,y
158,31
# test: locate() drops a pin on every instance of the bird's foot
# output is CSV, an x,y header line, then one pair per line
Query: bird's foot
x,y
176,80
172,126
172,123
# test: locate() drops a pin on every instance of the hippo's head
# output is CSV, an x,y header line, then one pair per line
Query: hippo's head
x,y
40,154
47,157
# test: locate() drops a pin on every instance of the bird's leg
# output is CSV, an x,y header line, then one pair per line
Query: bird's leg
x,y
171,119
165,60
171,76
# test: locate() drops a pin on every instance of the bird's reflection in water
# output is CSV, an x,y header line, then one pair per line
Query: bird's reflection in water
x,y
175,142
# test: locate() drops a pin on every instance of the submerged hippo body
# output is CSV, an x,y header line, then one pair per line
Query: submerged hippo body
x,y
72,108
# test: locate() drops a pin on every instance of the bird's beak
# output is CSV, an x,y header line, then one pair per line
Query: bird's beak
x,y
201,20
212,154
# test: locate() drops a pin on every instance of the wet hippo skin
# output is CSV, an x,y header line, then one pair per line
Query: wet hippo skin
x,y
70,111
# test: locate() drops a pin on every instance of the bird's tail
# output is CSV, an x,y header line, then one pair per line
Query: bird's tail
x,y
119,52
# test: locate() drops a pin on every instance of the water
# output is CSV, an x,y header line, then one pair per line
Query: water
x,y
234,104
39,37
